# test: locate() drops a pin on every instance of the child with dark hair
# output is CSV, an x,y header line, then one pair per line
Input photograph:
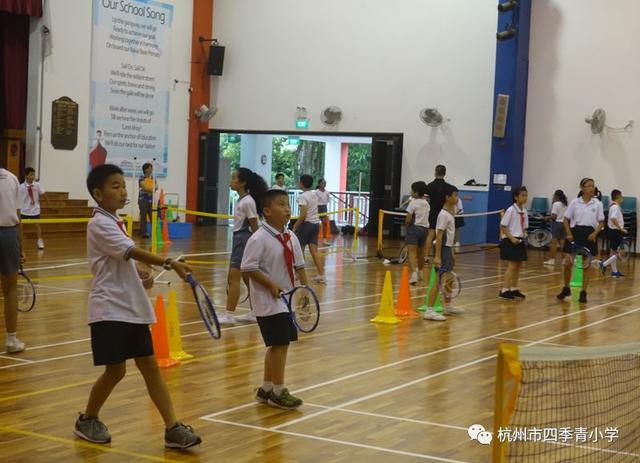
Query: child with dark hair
x,y
251,187
556,218
323,207
271,260
307,226
583,221
120,312
615,234
31,192
513,249
279,185
146,187
417,224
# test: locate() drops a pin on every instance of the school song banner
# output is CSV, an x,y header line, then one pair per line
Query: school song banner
x,y
130,84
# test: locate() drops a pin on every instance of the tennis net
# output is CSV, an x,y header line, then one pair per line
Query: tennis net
x,y
567,404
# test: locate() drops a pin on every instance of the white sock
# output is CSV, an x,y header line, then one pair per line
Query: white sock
x,y
277,389
504,290
614,265
11,338
514,289
610,260
267,386
230,313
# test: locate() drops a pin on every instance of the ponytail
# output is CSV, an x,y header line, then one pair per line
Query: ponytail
x,y
254,184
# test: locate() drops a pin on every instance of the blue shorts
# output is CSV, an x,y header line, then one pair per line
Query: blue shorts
x,y
240,239
9,250
447,260
307,233
557,231
416,235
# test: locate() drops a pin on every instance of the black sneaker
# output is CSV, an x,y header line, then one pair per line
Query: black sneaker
x,y
566,292
262,396
506,295
583,297
285,400
517,294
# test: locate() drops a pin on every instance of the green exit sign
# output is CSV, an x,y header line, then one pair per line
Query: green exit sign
x,y
302,123
293,141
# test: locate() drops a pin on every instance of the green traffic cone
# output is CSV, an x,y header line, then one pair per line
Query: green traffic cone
x,y
169,213
159,233
577,274
433,280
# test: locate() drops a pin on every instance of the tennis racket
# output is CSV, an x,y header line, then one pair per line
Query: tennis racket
x,y
450,285
205,306
624,251
581,256
26,292
304,307
539,238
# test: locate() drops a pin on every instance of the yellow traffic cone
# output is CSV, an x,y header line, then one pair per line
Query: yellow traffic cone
x,y
173,330
385,311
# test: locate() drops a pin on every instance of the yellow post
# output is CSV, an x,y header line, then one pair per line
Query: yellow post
x,y
154,232
129,219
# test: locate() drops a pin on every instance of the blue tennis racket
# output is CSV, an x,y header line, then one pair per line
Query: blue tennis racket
x,y
205,306
304,307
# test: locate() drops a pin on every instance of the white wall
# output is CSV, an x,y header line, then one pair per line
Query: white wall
x,y
67,72
381,61
582,56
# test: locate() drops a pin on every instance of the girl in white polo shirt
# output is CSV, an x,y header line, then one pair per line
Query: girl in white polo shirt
x,y
556,218
513,249
583,221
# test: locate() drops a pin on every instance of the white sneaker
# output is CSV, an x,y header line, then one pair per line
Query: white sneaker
x,y
414,278
40,243
15,346
226,319
248,317
549,262
319,279
457,245
431,314
453,310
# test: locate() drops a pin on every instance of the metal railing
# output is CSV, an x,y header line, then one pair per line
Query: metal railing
x,y
337,200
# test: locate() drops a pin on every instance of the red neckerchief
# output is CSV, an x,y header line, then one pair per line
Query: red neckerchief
x,y
288,254
30,191
118,222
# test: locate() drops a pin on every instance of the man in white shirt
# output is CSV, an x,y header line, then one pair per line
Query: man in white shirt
x,y
30,194
10,255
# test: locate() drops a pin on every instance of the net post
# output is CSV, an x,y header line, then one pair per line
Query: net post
x,y
380,227
129,219
498,413
154,222
357,224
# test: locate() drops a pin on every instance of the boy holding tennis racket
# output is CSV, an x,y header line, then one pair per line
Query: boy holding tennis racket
x,y
615,233
444,260
120,312
272,255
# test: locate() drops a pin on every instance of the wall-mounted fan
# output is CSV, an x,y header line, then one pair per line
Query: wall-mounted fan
x,y
331,116
431,117
597,121
204,114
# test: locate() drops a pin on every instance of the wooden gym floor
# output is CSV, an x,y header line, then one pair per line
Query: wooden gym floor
x,y
372,393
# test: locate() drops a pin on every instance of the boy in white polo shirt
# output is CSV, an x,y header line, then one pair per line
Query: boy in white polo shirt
x,y
417,223
271,257
10,255
30,194
307,226
120,311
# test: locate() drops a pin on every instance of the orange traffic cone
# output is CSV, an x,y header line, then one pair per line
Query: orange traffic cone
x,y
159,336
165,231
403,304
327,233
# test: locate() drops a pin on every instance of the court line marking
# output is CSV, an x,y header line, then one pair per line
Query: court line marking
x,y
427,354
528,340
82,443
443,372
337,441
16,359
51,359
